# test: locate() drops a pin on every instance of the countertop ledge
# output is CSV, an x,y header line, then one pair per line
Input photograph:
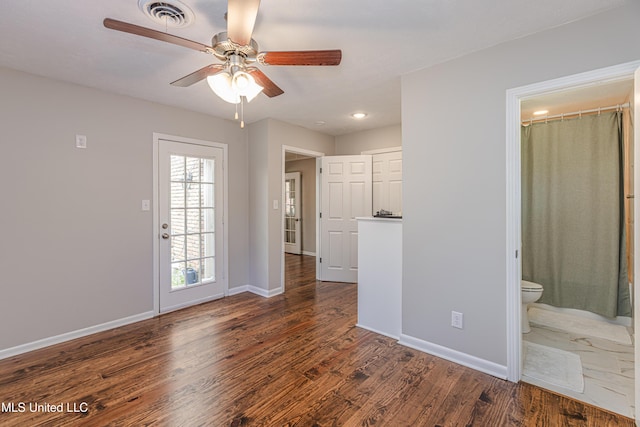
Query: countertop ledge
x,y
378,219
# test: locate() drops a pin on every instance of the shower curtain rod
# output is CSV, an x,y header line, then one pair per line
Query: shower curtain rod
x,y
575,113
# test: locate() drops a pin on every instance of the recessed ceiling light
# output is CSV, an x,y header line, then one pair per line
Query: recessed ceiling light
x,y
359,115
540,112
320,123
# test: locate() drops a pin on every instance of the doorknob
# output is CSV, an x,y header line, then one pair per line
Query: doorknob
x,y
165,235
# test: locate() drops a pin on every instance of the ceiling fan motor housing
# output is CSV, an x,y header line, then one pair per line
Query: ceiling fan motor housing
x,y
223,48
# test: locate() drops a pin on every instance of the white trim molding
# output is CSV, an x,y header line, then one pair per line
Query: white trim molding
x,y
255,290
383,150
455,356
395,337
263,292
57,339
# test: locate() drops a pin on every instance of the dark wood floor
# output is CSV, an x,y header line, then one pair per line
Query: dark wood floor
x,y
292,360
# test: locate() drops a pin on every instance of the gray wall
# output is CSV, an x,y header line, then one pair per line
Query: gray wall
x,y
76,249
453,127
374,139
266,139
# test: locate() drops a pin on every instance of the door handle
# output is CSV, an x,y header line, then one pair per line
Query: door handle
x,y
165,235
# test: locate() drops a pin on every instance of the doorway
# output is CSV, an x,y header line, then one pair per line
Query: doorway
x,y
299,225
190,243
514,99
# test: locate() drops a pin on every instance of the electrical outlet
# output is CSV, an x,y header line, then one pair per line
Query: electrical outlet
x,y
456,319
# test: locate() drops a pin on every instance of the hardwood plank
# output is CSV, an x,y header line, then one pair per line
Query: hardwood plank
x,y
292,360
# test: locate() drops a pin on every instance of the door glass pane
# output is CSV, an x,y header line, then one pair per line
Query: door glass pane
x,y
207,220
193,220
193,246
177,194
192,275
177,248
177,168
208,269
193,169
207,196
208,170
192,203
208,248
177,221
193,195
177,275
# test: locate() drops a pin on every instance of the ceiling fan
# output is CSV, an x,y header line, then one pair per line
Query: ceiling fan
x,y
236,78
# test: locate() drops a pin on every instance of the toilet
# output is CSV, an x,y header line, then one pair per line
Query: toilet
x,y
530,292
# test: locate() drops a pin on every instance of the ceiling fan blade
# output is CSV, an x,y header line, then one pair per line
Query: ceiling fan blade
x,y
303,57
241,17
196,76
114,24
270,88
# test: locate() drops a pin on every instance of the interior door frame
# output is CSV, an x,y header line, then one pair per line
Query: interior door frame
x,y
513,198
304,152
156,211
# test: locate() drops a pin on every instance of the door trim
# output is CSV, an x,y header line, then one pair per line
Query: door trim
x,y
513,199
156,211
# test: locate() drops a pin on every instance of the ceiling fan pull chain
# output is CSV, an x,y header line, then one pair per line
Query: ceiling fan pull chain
x,y
236,116
241,112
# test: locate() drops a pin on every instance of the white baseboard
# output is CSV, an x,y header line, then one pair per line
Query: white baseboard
x,y
45,342
238,290
455,356
263,292
395,337
255,290
308,253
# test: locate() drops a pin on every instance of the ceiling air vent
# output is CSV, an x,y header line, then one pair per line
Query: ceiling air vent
x,y
169,13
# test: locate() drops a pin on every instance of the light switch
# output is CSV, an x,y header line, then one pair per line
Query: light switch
x,y
81,141
146,205
275,204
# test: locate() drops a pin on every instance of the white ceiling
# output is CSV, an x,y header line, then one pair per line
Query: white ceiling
x,y
380,40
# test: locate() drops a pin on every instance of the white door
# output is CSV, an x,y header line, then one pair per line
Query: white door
x,y
292,224
190,218
345,195
387,182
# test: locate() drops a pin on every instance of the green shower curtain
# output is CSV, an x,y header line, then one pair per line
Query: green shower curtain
x,y
573,232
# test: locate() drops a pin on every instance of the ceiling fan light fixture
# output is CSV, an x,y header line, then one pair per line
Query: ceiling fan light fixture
x,y
245,85
221,84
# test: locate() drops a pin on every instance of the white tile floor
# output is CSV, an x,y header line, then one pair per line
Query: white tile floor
x,y
607,367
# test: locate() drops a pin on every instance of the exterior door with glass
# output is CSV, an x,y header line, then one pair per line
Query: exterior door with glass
x,y
292,224
190,218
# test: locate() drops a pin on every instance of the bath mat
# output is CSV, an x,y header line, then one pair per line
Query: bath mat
x,y
579,325
553,366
